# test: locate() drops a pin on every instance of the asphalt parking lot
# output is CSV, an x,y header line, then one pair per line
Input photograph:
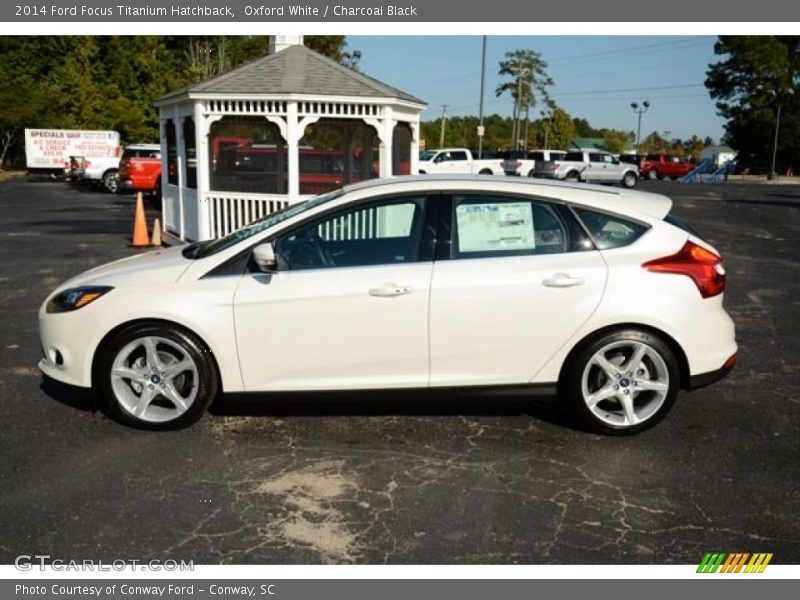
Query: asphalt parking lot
x,y
398,479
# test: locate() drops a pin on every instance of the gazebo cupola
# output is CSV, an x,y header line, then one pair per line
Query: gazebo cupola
x,y
274,132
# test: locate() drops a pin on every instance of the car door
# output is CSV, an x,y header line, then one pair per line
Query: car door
x,y
348,305
596,170
519,279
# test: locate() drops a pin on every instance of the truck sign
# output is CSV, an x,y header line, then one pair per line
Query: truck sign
x,y
50,149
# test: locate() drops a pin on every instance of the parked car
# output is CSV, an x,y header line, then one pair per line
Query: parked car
x,y
633,159
594,166
526,163
416,282
664,166
96,170
262,168
140,169
459,160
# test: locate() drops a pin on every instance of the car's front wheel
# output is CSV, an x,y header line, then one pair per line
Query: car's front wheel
x,y
622,382
156,376
629,179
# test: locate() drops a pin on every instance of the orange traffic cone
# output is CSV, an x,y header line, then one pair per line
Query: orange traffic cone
x,y
155,240
140,238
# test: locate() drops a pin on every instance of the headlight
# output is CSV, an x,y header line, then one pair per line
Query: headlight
x,y
75,298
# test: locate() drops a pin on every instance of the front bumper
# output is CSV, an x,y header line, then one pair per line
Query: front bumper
x,y
67,344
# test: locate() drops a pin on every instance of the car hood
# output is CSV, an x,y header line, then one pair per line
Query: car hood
x,y
159,266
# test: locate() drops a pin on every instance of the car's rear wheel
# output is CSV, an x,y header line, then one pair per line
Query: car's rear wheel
x,y
629,179
622,382
111,181
485,172
652,174
156,377
572,176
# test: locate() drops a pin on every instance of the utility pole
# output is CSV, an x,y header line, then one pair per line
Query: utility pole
x,y
444,119
639,110
480,117
519,72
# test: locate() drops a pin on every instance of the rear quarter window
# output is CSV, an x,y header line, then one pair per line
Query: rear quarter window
x,y
610,231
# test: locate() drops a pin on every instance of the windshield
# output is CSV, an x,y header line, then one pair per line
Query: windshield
x,y
427,154
203,249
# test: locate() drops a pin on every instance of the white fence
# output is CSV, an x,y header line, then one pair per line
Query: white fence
x,y
229,212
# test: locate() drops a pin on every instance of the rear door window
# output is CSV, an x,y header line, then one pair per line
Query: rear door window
x,y
610,231
489,226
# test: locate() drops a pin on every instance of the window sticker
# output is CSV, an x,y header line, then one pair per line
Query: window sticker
x,y
495,227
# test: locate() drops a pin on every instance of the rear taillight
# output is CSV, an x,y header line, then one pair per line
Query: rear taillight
x,y
703,266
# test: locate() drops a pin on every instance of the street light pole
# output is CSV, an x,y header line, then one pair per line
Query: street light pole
x,y
639,110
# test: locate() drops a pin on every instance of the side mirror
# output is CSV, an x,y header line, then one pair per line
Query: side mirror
x,y
264,255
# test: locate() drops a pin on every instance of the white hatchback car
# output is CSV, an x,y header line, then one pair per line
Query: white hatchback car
x,y
595,294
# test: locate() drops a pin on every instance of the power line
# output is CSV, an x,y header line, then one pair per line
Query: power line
x,y
689,42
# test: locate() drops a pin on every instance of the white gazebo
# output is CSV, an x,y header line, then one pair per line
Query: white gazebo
x,y
274,132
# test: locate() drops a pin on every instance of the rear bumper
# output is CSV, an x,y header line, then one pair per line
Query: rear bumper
x,y
131,186
703,379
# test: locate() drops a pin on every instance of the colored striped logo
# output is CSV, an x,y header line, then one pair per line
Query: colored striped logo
x,y
734,563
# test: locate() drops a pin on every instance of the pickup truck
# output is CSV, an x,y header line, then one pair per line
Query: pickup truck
x,y
98,170
458,160
524,163
140,169
595,167
663,166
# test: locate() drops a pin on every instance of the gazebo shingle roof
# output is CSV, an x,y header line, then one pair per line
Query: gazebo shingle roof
x,y
295,70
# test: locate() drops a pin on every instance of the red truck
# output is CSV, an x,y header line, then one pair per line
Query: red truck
x,y
140,168
664,166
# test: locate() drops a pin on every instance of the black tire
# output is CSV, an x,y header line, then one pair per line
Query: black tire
x,y
572,176
485,172
207,380
629,179
110,181
578,365
652,174
532,173
422,173
157,191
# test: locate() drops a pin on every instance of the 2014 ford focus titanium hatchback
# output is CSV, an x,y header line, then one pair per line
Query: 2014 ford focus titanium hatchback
x,y
597,295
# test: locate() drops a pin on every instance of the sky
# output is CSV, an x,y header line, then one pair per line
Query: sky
x,y
596,77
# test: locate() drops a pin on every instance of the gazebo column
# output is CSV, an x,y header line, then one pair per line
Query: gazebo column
x,y
177,127
202,133
387,141
292,137
292,131
414,168
385,129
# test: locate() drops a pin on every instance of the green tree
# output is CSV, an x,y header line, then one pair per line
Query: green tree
x,y
110,82
755,77
562,129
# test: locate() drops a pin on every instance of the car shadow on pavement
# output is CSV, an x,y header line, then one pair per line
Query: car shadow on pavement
x,y
69,395
392,403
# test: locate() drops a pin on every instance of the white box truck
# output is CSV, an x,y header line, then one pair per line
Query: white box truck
x,y
49,150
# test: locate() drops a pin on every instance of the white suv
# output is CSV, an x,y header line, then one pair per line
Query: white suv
x,y
592,293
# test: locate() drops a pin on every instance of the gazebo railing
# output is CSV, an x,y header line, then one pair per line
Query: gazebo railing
x,y
228,211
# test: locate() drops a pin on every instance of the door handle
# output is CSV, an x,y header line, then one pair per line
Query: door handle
x,y
562,280
389,290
